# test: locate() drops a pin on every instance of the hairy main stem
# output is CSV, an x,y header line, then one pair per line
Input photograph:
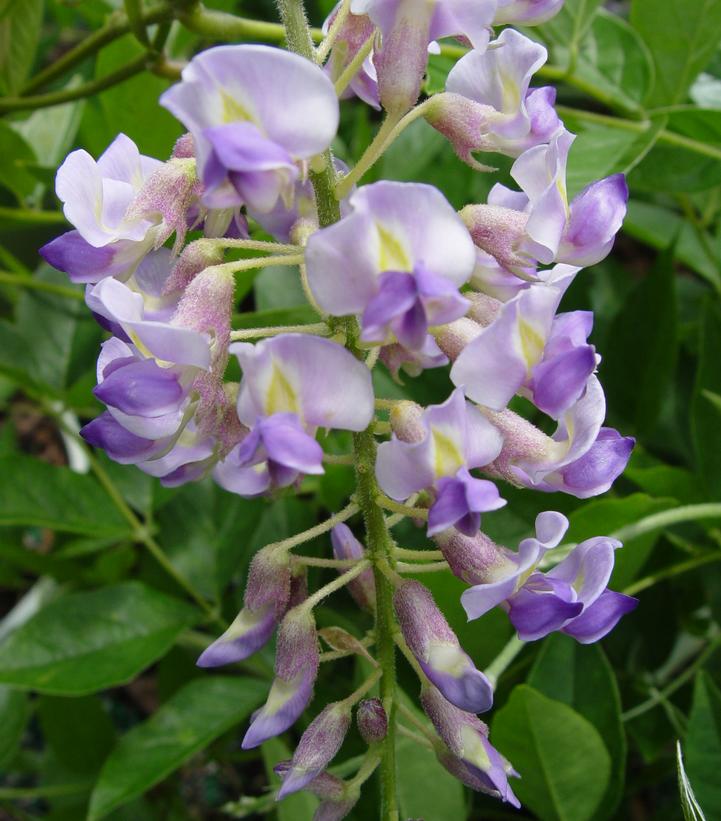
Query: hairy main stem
x,y
378,539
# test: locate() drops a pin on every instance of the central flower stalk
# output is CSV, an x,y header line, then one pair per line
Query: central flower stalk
x,y
378,538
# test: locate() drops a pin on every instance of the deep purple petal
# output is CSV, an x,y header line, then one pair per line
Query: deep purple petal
x,y
559,382
246,635
78,259
121,445
601,617
536,614
141,388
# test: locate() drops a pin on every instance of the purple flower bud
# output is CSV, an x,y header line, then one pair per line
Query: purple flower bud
x,y
169,192
372,720
471,558
194,258
437,650
296,667
267,594
346,546
396,358
317,747
498,230
337,800
454,337
469,755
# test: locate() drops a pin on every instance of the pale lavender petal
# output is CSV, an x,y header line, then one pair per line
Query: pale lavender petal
x,y
526,12
587,568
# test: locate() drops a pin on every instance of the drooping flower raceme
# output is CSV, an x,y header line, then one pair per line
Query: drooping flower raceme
x,y
401,281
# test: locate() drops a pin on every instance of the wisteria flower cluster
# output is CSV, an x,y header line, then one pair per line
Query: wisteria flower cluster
x,y
401,281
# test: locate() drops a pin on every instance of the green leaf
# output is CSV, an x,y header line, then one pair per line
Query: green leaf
x,y
689,805
85,721
17,156
14,715
682,38
36,493
704,414
20,22
676,169
614,59
581,677
85,642
297,807
656,225
565,30
604,516
425,789
563,762
640,356
186,723
600,151
703,744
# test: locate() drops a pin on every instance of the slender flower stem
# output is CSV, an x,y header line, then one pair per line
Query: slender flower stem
x,y
29,217
424,567
687,513
411,659
251,245
390,129
336,584
18,281
387,404
88,89
367,768
405,553
408,714
499,664
404,510
318,328
239,265
359,692
670,572
337,564
350,71
338,458
323,50
419,739
318,530
678,682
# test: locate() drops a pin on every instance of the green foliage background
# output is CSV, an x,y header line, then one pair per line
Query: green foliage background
x,y
102,711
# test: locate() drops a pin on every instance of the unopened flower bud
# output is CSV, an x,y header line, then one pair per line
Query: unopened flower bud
x,y
265,601
498,231
196,257
471,558
454,337
168,193
346,546
372,720
317,747
184,148
296,667
435,646
406,420
470,755
484,309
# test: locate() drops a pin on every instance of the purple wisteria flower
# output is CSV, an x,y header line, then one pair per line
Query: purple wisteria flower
x,y
435,450
407,28
466,751
539,603
254,112
582,458
487,105
96,198
398,258
296,667
581,232
267,595
317,747
292,385
530,350
437,650
337,798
